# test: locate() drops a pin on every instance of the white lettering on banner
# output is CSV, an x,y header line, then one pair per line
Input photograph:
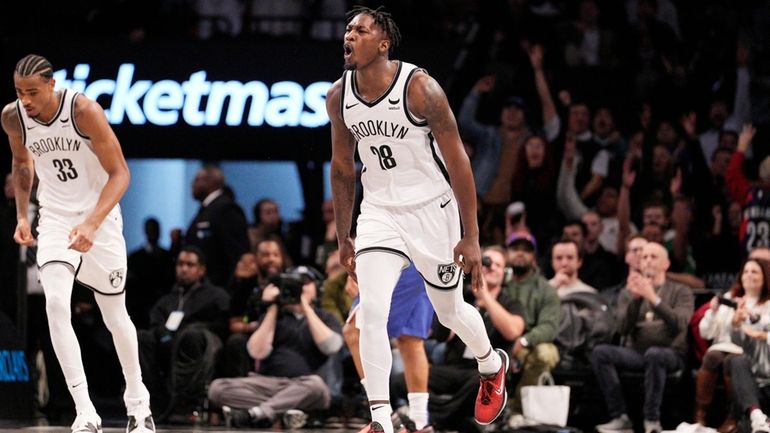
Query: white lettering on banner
x,y
202,102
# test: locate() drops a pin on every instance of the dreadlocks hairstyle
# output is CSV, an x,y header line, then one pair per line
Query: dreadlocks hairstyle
x,y
382,19
33,64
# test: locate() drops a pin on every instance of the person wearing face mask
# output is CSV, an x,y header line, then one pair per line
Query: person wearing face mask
x,y
653,314
750,329
534,351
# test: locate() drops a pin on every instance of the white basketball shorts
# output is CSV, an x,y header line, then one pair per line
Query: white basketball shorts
x,y
426,234
101,269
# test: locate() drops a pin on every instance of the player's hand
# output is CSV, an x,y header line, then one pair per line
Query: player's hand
x,y
347,256
82,237
467,255
23,233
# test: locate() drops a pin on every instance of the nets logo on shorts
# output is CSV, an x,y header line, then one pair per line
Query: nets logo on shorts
x,y
446,273
116,277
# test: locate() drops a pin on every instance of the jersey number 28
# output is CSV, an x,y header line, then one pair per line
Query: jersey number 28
x,y
66,170
385,154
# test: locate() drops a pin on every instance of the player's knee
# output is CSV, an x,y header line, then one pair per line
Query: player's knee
x,y
57,307
376,316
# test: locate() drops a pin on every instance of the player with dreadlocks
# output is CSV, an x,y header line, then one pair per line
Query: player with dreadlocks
x,y
419,205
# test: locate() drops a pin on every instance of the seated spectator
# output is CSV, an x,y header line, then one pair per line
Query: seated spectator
x,y
750,372
566,262
653,314
178,352
456,381
715,326
534,351
293,341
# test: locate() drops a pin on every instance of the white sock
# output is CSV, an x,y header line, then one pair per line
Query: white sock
x,y
418,408
381,414
491,364
83,402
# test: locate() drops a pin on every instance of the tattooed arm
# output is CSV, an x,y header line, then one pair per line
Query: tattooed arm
x,y
23,172
343,177
427,100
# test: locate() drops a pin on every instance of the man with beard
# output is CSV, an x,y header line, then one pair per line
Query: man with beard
x,y
534,351
250,275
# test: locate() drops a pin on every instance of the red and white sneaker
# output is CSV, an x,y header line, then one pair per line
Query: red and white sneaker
x,y
492,396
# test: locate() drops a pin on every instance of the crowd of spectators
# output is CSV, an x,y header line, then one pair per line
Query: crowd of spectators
x,y
620,155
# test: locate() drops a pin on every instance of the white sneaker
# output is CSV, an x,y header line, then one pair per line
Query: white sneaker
x,y
87,423
618,424
139,416
294,419
653,427
759,424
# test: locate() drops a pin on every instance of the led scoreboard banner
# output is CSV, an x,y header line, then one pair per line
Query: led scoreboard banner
x,y
198,101
213,100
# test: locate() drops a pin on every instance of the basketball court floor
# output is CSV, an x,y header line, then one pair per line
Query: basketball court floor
x,y
161,429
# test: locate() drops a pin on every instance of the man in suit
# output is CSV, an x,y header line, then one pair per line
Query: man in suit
x,y
219,228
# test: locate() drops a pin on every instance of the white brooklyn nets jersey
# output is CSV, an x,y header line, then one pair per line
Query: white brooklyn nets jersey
x,y
71,177
403,165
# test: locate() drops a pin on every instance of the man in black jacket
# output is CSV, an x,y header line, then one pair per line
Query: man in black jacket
x,y
219,228
179,350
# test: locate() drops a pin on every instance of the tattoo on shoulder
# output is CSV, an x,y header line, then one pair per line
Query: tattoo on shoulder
x,y
435,106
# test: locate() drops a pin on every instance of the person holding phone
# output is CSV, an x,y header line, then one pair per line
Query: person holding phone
x,y
750,372
716,326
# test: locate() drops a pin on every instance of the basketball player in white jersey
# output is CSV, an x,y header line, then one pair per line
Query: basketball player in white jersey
x,y
406,135
65,139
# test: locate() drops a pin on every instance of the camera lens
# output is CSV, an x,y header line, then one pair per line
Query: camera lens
x,y
486,261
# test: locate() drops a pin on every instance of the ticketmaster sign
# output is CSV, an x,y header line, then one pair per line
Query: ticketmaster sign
x,y
198,101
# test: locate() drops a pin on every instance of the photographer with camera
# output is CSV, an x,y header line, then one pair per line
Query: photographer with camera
x,y
178,352
293,340
249,277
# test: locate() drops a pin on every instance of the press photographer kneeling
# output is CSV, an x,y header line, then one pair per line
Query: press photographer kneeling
x,y
293,340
